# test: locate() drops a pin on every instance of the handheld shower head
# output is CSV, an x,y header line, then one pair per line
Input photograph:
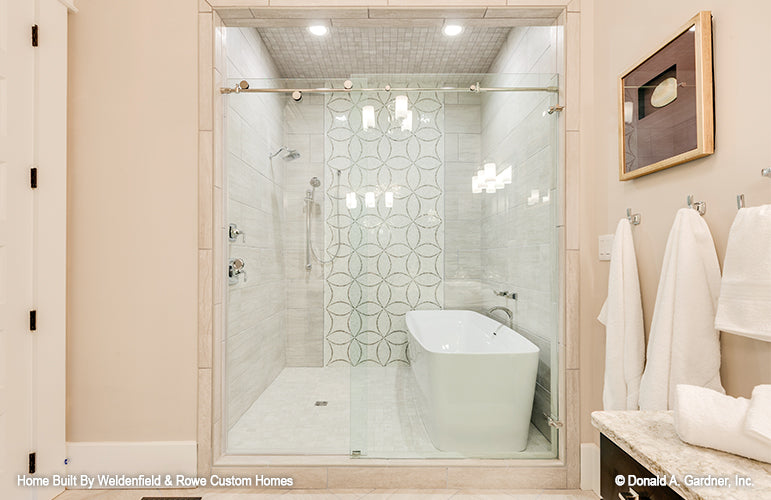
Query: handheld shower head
x,y
315,182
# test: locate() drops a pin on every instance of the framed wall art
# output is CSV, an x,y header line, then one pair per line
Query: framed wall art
x,y
666,108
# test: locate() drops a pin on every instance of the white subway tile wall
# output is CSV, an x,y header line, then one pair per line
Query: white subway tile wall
x,y
304,132
463,210
256,304
519,242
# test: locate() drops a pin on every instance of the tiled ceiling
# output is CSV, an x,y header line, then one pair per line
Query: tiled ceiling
x,y
381,49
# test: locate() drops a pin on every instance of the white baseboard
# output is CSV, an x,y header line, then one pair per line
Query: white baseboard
x,y
131,459
590,467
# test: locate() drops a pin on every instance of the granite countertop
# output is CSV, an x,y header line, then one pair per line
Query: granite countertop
x,y
650,438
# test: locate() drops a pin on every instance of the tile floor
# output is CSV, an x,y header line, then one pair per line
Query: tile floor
x,y
373,408
209,494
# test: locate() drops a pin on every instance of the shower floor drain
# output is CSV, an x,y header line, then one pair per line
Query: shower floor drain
x,y
321,403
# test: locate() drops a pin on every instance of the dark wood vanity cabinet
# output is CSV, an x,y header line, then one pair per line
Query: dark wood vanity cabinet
x,y
613,462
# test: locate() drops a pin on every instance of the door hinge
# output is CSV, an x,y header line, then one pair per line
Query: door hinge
x,y
32,463
34,35
553,421
33,320
33,177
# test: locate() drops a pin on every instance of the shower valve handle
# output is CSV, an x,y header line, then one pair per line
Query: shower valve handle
x,y
236,268
234,232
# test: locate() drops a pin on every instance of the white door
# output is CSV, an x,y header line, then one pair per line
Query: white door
x,y
31,365
16,218
50,241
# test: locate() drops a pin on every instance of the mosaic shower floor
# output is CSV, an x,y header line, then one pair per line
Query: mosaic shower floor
x,y
384,416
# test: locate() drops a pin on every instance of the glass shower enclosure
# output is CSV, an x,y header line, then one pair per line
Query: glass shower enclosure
x,y
347,208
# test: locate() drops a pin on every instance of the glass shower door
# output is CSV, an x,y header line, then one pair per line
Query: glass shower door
x,y
421,239
395,184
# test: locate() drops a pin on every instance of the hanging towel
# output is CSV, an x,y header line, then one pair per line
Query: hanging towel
x,y
744,307
683,346
624,332
758,422
707,418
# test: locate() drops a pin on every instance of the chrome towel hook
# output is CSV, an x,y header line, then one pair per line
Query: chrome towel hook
x,y
699,206
634,219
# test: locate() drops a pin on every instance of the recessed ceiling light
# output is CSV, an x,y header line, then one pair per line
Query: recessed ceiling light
x,y
452,29
318,29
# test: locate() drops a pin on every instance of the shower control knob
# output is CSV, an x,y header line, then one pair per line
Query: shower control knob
x,y
236,267
234,232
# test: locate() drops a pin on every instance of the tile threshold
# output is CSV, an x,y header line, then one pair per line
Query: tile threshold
x,y
340,460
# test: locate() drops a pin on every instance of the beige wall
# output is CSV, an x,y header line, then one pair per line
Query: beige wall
x,y
622,33
132,215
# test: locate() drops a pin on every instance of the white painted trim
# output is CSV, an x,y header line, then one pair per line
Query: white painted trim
x,y
132,458
590,467
70,4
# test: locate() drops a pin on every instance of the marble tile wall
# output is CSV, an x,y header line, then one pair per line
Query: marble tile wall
x,y
391,260
519,239
256,305
462,269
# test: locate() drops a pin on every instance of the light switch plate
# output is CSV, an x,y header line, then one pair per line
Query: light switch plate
x,y
606,245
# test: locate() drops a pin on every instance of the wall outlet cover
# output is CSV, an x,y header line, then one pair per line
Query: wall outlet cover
x,y
606,245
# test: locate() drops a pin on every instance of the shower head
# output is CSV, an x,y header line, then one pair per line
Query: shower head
x,y
315,182
289,154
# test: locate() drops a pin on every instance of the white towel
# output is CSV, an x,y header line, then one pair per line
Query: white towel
x,y
624,332
744,307
707,418
758,423
683,346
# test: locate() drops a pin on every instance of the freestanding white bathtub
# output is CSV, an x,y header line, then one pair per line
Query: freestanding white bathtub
x,y
475,389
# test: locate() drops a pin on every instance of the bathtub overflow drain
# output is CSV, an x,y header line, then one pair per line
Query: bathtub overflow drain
x,y
321,403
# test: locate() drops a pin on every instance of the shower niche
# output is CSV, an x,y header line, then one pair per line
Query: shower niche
x,y
362,196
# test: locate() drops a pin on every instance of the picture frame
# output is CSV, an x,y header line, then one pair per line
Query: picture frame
x,y
666,103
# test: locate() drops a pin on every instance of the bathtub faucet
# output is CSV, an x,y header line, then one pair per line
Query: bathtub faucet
x,y
506,311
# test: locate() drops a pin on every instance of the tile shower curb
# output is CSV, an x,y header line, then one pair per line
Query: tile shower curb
x,y
231,461
422,476
342,471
